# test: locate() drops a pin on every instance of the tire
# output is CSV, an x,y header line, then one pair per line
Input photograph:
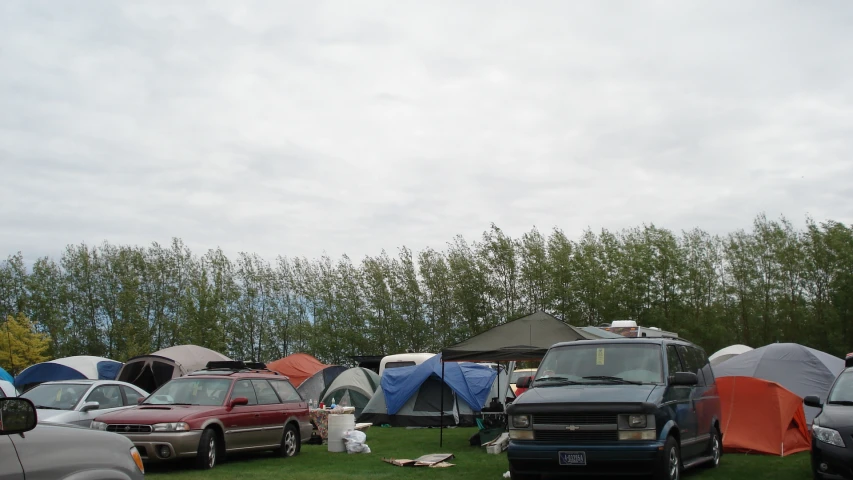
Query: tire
x,y
522,476
669,466
715,449
208,450
290,442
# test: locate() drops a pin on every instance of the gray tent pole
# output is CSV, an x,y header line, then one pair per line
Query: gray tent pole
x,y
441,416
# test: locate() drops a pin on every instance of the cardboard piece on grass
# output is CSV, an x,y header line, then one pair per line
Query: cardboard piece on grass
x,y
433,460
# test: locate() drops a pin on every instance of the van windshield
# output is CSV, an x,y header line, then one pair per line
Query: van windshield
x,y
602,363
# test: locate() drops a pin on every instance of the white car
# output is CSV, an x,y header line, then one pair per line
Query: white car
x,y
78,402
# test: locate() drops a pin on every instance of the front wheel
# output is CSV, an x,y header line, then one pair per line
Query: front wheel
x,y
208,450
669,465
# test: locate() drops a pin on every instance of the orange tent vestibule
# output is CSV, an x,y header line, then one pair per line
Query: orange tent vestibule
x,y
297,367
761,417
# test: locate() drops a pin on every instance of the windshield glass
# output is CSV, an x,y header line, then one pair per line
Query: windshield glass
x,y
593,363
191,391
843,389
59,396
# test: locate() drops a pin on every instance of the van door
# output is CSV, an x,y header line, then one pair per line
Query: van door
x,y
691,359
679,398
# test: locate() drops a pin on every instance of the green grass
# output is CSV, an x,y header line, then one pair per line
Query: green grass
x,y
316,462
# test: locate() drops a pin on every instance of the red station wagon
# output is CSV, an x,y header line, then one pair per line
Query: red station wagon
x,y
228,407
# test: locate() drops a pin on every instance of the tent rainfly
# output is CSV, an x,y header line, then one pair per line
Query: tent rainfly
x,y
724,354
149,372
68,368
314,387
526,338
802,370
5,376
298,367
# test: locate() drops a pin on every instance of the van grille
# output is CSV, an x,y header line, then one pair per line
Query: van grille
x,y
575,419
129,428
575,437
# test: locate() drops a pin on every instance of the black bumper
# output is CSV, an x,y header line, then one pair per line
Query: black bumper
x,y
838,460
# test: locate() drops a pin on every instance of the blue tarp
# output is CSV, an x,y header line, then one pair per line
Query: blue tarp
x,y
108,369
47,372
4,375
470,381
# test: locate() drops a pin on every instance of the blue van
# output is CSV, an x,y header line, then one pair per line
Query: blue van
x,y
615,407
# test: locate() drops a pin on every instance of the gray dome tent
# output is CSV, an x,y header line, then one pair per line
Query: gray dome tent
x,y
315,386
149,372
800,369
354,387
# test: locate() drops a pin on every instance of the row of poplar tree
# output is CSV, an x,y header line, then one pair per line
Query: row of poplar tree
x,y
774,282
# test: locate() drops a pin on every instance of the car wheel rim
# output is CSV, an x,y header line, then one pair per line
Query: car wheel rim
x,y
716,450
211,453
673,464
289,443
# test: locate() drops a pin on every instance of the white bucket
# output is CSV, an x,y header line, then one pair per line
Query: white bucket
x,y
338,424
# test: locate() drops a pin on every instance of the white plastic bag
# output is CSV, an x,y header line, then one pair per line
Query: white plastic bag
x,y
354,441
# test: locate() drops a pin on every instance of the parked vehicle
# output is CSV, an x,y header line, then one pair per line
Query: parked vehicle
x,y
832,430
516,374
630,329
78,402
615,407
403,360
229,407
48,452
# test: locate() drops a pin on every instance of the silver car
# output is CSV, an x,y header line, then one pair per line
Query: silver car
x,y
78,402
46,452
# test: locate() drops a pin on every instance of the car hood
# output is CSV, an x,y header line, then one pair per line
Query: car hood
x,y
836,417
150,414
583,394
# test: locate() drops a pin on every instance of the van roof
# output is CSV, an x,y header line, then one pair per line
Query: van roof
x,y
646,340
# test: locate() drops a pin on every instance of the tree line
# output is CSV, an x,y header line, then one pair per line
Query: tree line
x,y
772,283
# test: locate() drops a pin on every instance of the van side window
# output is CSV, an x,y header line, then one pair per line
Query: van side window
x,y
673,363
693,363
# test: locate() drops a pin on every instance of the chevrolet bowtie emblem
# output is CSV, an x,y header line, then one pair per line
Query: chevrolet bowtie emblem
x,y
572,428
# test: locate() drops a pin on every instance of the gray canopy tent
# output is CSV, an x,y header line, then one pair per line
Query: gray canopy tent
x,y
800,369
523,339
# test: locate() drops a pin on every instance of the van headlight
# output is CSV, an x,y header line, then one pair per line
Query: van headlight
x,y
637,421
521,421
171,427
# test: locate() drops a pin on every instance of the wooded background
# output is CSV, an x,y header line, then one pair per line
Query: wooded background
x,y
773,283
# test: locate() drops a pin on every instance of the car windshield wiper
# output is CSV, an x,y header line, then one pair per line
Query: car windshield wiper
x,y
558,380
612,379
848,403
45,407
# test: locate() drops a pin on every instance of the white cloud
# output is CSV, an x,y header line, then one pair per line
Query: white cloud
x,y
296,128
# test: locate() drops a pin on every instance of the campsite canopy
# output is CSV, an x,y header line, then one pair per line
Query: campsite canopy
x,y
149,372
354,387
802,370
5,376
68,368
470,381
314,387
526,338
724,354
297,367
761,416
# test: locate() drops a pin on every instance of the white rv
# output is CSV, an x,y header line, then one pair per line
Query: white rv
x,y
403,360
630,329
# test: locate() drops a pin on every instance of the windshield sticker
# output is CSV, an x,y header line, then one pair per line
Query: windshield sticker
x,y
599,356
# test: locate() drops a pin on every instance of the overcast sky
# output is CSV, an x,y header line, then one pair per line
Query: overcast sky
x,y
296,128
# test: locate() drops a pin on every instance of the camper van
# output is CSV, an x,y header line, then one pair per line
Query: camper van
x,y
630,329
403,360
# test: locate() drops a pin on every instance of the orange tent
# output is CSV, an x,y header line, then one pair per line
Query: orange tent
x,y
297,367
761,417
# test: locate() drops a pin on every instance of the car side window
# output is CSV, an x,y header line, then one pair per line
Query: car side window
x,y
107,396
131,395
243,388
692,363
266,395
286,391
673,363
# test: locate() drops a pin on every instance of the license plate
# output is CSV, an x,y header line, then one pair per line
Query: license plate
x,y
572,458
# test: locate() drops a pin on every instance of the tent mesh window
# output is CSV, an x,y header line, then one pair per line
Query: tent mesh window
x,y
429,396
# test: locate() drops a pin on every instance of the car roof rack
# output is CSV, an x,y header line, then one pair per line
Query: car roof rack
x,y
233,366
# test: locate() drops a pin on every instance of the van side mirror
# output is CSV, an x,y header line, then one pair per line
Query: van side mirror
x,y
813,401
89,406
684,379
524,382
17,415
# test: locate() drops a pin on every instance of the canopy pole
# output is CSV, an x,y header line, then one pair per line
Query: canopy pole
x,y
441,416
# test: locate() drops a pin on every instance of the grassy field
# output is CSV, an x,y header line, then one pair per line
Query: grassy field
x,y
315,462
